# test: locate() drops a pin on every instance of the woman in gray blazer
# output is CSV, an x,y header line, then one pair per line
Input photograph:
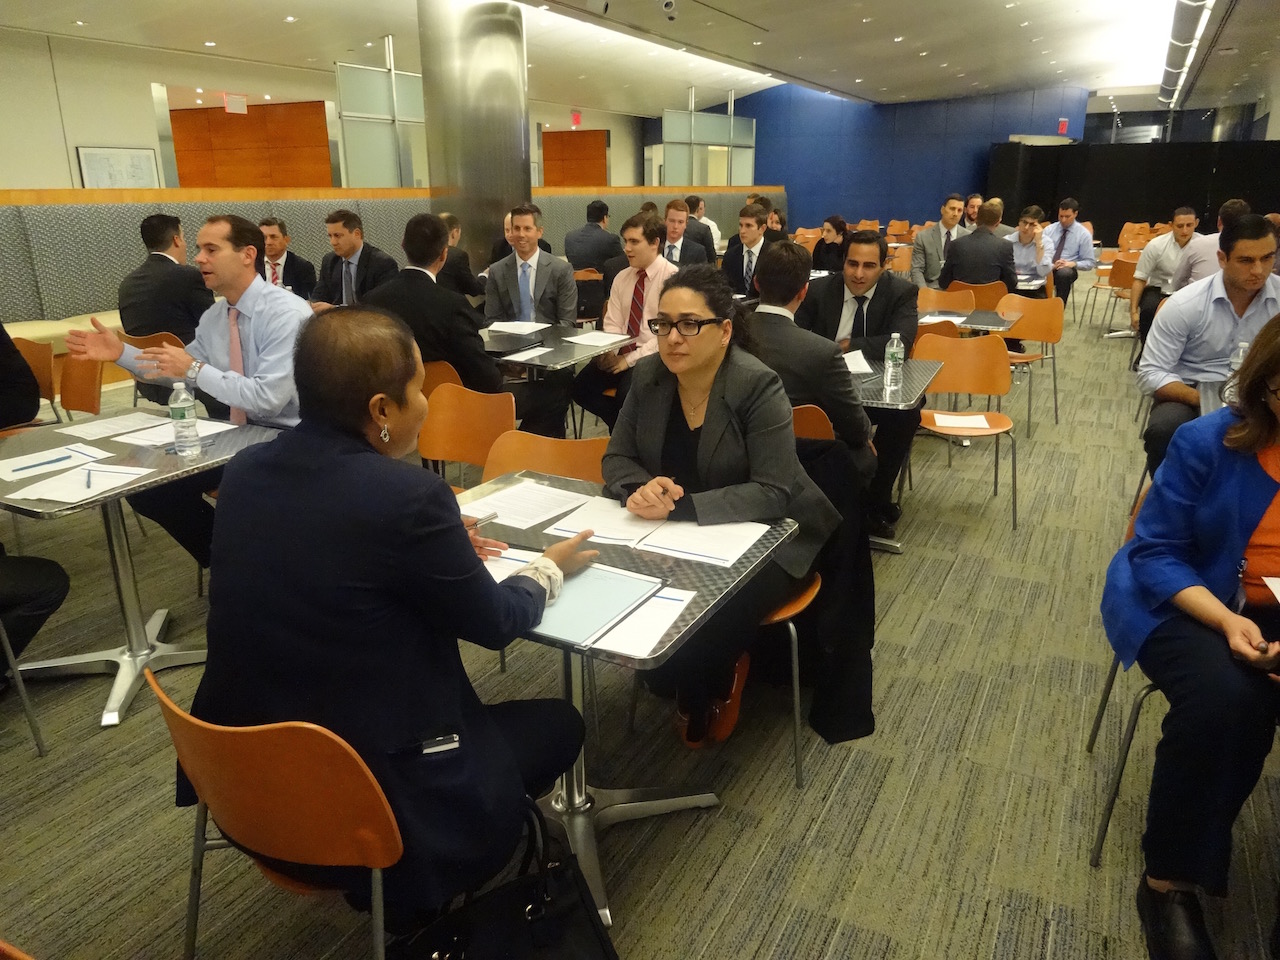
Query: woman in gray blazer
x,y
705,435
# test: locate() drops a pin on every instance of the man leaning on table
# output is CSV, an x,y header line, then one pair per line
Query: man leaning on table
x,y
1072,247
1032,260
242,355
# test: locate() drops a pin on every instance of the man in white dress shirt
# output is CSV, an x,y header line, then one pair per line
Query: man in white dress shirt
x,y
281,268
1152,277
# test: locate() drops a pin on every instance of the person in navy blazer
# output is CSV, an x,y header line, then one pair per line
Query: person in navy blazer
x,y
456,273
372,267
751,221
281,266
369,581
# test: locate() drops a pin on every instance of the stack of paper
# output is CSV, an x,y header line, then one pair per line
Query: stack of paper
x,y
718,543
49,461
637,635
609,522
79,484
97,429
517,326
598,338
525,504
856,362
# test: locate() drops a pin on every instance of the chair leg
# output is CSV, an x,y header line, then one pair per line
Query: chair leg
x,y
378,924
1053,362
635,703
21,687
141,529
17,536
1013,459
595,697
502,661
1102,704
199,580
1031,382
1113,788
1142,479
795,702
198,843
995,463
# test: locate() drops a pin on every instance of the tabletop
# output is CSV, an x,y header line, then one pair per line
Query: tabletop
x,y
714,584
916,377
561,352
216,450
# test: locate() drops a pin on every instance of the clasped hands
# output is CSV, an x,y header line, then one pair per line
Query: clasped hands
x,y
1247,643
102,344
656,499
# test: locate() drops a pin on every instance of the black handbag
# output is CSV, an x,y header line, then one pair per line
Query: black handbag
x,y
546,911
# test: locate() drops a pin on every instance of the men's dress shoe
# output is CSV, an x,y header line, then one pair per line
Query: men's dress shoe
x,y
1173,924
879,527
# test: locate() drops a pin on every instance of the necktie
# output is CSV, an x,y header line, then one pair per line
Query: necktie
x,y
526,293
237,359
636,315
275,273
1062,242
748,270
946,244
671,252
348,284
859,317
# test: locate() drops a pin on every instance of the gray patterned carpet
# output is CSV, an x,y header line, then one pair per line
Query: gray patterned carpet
x,y
961,829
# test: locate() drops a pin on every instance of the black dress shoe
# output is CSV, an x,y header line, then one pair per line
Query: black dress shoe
x,y
878,527
1173,924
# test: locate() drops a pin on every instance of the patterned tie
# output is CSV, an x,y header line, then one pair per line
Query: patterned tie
x,y
237,359
526,293
671,252
946,244
636,315
275,273
748,270
859,316
348,284
1062,242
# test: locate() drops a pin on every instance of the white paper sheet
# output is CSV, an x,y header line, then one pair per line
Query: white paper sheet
x,y
969,420
717,543
639,633
159,436
524,504
856,362
511,560
80,484
610,521
50,461
598,338
97,429
527,354
517,326
935,317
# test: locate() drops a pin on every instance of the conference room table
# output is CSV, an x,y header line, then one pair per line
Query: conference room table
x,y
582,809
984,321
558,351
143,638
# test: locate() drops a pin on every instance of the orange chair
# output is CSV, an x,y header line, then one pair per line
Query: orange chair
x,y
868,225
1038,321
1119,282
897,229
900,262
791,608
930,300
939,328
811,422
462,424
808,238
10,952
516,450
975,365
142,343
438,372
39,357
290,791
81,387
985,295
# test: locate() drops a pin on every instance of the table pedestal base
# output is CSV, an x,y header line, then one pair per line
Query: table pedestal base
x,y
886,545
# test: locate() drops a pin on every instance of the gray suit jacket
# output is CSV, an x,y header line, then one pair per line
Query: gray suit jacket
x,y
746,452
555,295
926,255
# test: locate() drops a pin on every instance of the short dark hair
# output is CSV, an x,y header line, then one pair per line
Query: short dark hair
x,y
782,272
763,201
867,238
782,218
953,196
597,210
837,224
1034,212
243,233
158,231
450,221
1250,226
694,202
754,211
276,222
425,237
1184,212
710,283
972,196
345,357
1233,209
527,210
349,219
648,207
1069,203
989,214
652,228
678,205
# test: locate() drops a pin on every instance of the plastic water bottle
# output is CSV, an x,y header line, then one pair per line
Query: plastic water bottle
x,y
1237,359
182,411
894,355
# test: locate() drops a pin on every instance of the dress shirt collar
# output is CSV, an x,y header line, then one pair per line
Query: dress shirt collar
x,y
674,243
871,292
355,257
421,270
779,311
158,253
654,271
248,301
532,261
1270,291
757,248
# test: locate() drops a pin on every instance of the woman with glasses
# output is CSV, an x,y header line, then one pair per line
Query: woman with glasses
x,y
1187,599
705,435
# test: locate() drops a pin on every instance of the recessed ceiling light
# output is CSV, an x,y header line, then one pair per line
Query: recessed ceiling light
x,y
858,80
311,59
1036,39
528,64
867,19
266,96
199,101
582,76
770,75
756,43
944,65
959,74
835,69
683,49
210,43
897,39
79,23
1009,6
924,53
883,89
199,89
1058,71
290,19
1025,23
1052,62
799,58
369,44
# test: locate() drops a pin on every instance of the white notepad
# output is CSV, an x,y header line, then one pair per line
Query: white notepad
x,y
856,362
969,420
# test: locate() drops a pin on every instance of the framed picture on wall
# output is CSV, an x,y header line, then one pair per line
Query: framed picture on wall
x,y
118,167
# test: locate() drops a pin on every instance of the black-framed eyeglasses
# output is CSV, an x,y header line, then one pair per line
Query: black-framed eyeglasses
x,y
686,327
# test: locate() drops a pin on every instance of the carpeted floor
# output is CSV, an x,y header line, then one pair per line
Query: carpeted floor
x,y
961,829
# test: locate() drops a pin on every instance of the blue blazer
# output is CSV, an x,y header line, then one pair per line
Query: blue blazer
x,y
1204,505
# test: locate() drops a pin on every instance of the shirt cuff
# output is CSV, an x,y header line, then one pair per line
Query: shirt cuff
x,y
545,573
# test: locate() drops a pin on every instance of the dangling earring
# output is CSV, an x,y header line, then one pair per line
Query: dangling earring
x,y
385,435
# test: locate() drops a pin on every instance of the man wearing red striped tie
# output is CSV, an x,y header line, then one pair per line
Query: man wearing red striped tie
x,y
281,267
633,300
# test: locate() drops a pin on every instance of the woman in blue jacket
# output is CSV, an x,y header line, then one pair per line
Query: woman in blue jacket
x,y
1185,598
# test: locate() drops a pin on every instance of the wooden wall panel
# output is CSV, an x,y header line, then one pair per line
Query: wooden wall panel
x,y
275,145
190,129
195,167
575,158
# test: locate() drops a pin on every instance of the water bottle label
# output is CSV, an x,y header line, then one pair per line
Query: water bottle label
x,y
183,413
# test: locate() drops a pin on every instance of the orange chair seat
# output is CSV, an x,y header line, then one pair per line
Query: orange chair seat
x,y
1025,357
996,423
290,884
795,605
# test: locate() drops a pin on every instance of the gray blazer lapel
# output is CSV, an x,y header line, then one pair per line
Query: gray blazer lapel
x,y
652,429
717,419
543,276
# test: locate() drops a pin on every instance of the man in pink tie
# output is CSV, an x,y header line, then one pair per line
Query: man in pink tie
x,y
242,355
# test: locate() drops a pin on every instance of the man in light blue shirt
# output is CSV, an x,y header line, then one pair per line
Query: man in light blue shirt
x,y
1071,245
1194,334
1031,255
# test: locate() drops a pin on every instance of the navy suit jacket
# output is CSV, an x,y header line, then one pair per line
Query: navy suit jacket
x,y
732,268
373,269
299,275
590,246
980,257
161,296
700,233
456,274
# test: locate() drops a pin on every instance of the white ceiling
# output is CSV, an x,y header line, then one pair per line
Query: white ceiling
x,y
850,47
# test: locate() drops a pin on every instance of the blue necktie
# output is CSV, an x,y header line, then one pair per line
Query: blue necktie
x,y
526,293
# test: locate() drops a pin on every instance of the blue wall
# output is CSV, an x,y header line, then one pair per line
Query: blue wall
x,y
879,162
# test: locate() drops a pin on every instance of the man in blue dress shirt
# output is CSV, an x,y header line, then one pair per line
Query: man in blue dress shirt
x,y
1072,247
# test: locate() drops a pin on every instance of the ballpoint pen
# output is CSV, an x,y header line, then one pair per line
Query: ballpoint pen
x,y
42,463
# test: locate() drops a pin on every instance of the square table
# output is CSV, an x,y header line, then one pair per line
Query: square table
x,y
984,320
143,645
562,353
581,809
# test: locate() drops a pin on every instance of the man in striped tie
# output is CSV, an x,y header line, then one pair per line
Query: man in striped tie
x,y
633,300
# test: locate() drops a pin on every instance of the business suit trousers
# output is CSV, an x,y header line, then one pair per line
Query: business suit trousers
x,y
541,405
181,509
1063,279
1147,306
1215,737
895,430
589,388
31,588
1166,417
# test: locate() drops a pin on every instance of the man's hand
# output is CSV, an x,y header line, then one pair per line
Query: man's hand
x,y
1133,319
319,306
612,363
97,344
165,360
1038,235
1063,264
844,345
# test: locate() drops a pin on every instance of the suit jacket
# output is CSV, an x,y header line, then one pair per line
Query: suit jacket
x,y
503,249
299,274
926,255
373,269
980,257
746,452
892,309
555,295
590,246
443,323
813,371
456,274
732,268
19,391
700,233
690,252
364,595
161,296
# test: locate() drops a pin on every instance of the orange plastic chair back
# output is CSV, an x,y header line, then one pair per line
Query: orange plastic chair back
x,y
81,385
898,227
462,424
811,422
438,372
901,261
10,952
516,450
1039,320
939,328
1122,268
985,295
945,301
868,225
292,791
972,365
151,340
590,273
808,240
39,357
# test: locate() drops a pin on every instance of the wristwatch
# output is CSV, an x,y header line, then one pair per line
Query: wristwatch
x,y
193,371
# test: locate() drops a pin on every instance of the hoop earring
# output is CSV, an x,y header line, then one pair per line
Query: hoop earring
x,y
385,435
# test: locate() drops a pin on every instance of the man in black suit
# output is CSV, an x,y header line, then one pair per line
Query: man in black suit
x,y
456,273
697,231
282,268
861,310
981,256
739,265
164,295
592,244
677,246
354,267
